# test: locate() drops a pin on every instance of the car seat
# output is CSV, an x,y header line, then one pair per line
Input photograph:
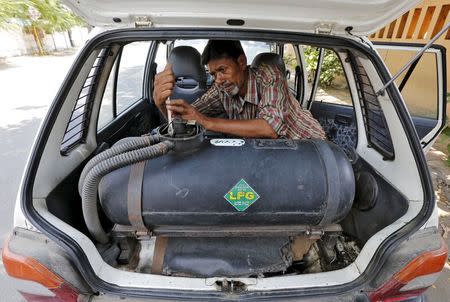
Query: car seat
x,y
190,75
269,58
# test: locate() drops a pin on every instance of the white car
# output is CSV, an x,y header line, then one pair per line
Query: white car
x,y
112,207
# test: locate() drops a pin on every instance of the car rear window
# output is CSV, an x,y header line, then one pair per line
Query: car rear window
x,y
378,134
76,130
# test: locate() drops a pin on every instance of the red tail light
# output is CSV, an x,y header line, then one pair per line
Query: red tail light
x,y
28,268
425,264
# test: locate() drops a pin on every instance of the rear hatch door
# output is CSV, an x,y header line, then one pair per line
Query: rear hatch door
x,y
423,86
362,17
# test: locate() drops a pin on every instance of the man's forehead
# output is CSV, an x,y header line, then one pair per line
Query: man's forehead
x,y
219,63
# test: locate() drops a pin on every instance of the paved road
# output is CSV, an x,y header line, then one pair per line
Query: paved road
x,y
27,87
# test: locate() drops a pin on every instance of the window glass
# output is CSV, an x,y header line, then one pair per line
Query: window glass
x,y
160,58
77,126
106,113
197,44
333,86
251,49
377,131
290,61
420,91
131,74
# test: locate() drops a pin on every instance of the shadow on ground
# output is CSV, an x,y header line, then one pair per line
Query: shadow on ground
x,y
16,141
5,64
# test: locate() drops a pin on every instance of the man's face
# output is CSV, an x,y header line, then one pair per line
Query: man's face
x,y
229,74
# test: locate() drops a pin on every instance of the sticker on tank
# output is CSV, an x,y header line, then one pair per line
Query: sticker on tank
x,y
227,142
241,196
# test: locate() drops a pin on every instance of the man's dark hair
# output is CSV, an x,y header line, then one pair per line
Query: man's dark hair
x,y
220,49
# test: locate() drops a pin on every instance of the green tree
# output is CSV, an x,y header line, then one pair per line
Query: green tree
x,y
50,16
290,61
11,9
331,66
54,16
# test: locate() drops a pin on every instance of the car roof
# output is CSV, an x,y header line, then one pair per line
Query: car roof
x,y
363,17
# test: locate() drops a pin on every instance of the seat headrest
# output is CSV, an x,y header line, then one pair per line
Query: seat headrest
x,y
269,58
186,63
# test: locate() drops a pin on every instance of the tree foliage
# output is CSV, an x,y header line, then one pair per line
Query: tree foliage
x,y
290,60
11,9
53,16
331,66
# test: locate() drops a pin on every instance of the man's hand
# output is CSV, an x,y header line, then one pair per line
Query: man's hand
x,y
163,87
185,111
243,128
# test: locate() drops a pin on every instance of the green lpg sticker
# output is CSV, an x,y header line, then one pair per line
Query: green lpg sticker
x,y
241,196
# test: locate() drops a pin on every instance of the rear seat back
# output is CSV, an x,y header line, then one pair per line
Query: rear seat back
x,y
190,75
269,58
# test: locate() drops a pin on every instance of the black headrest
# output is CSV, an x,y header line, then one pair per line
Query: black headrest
x,y
269,58
186,63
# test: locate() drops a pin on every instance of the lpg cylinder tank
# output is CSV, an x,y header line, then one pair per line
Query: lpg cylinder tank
x,y
236,183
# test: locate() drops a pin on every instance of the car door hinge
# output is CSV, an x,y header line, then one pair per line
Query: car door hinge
x,y
324,28
142,21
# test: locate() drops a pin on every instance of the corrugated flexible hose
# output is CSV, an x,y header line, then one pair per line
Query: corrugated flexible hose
x,y
95,174
124,145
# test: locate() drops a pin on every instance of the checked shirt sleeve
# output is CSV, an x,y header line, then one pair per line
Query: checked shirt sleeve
x,y
210,103
282,111
273,103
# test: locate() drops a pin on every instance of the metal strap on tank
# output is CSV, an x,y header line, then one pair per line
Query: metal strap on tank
x,y
135,197
158,255
333,181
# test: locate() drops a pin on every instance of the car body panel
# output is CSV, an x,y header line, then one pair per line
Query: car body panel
x,y
364,17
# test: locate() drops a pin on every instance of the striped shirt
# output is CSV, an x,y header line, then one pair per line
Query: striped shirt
x,y
268,97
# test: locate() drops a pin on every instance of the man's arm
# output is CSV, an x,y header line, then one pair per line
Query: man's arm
x,y
278,107
164,84
163,87
242,128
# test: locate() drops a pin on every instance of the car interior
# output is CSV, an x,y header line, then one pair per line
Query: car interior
x,y
328,248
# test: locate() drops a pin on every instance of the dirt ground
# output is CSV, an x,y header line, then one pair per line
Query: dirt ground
x,y
439,164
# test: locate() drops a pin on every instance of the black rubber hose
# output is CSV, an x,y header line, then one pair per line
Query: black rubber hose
x,y
124,145
90,186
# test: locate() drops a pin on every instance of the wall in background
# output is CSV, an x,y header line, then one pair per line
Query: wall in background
x,y
14,42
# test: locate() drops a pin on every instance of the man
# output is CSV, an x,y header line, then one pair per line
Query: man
x,y
257,101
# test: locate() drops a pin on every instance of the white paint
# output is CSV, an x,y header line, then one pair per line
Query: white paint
x,y
402,172
433,221
292,15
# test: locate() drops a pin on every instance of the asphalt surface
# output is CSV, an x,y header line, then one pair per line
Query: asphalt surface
x,y
27,87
